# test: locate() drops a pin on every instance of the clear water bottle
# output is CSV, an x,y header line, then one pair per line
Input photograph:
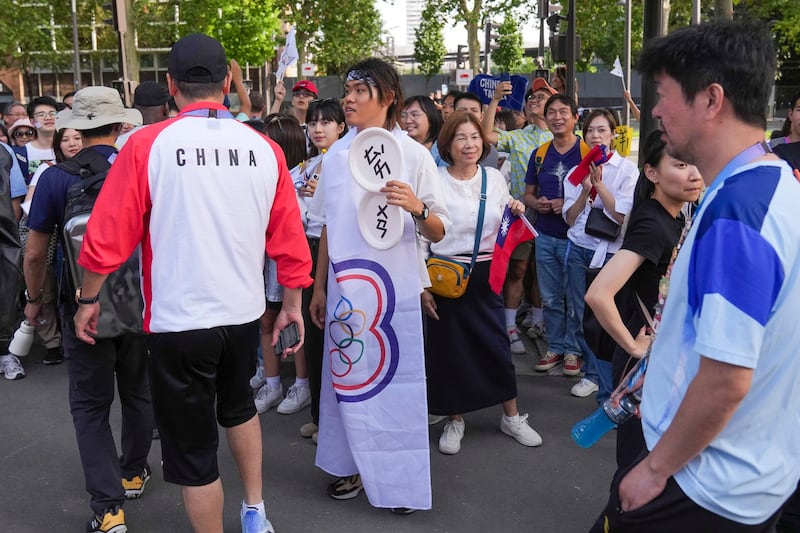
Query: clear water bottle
x,y
589,430
20,345
623,404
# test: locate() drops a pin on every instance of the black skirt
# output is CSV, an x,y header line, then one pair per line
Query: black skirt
x,y
467,352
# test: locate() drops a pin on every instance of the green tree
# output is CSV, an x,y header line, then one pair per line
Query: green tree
x,y
508,56
429,49
472,16
246,28
346,35
305,18
28,39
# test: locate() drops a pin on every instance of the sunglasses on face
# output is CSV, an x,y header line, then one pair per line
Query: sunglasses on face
x,y
304,94
24,133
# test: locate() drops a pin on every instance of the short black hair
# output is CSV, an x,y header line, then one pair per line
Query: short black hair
x,y
41,100
564,99
467,96
738,55
102,131
325,109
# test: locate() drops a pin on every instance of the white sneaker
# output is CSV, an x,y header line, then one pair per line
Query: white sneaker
x,y
258,380
584,388
255,522
518,428
297,399
517,346
450,441
11,367
267,398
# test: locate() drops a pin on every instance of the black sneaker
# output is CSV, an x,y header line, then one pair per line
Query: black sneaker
x,y
112,521
134,487
402,510
345,488
54,356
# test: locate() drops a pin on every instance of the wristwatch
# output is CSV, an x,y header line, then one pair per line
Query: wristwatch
x,y
36,300
424,214
87,301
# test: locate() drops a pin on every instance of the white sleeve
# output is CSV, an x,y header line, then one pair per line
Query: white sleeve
x,y
571,193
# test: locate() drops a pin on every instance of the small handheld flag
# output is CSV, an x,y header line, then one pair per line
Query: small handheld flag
x,y
514,230
617,71
598,155
288,56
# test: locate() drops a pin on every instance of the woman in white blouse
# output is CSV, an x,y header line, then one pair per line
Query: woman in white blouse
x,y
468,356
608,188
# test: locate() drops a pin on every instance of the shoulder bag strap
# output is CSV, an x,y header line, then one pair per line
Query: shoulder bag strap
x,y
479,228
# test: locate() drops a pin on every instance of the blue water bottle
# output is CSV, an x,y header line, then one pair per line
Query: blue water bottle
x,y
612,413
589,430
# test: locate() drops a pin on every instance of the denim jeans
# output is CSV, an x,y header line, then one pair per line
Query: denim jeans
x,y
551,264
598,371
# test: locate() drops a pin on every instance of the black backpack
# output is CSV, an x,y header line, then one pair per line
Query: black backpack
x,y
121,303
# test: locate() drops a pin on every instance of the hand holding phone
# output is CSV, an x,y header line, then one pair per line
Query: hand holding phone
x,y
288,337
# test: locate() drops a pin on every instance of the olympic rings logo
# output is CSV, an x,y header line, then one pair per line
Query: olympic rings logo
x,y
344,316
363,349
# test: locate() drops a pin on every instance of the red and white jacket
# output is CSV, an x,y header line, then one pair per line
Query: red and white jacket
x,y
204,197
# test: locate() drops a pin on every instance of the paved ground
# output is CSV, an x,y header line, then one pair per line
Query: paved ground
x,y
493,485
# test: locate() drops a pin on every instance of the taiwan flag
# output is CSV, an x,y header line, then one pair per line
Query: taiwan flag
x,y
514,229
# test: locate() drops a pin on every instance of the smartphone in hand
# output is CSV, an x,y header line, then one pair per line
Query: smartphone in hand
x,y
288,337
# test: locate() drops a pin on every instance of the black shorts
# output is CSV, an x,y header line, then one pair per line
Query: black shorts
x,y
669,512
189,370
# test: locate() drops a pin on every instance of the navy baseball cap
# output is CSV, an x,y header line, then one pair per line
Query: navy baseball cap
x,y
198,58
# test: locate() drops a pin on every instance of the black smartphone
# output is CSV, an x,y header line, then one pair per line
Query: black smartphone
x,y
288,337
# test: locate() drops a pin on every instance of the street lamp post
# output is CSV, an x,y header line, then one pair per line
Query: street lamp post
x,y
627,58
76,58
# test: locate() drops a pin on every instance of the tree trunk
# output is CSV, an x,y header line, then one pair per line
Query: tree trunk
x,y
723,9
474,46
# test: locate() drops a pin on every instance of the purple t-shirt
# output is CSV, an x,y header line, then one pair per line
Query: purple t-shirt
x,y
549,180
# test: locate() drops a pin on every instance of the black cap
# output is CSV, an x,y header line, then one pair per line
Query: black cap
x,y
198,58
150,94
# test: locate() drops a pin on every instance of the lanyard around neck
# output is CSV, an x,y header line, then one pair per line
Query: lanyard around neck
x,y
207,113
748,155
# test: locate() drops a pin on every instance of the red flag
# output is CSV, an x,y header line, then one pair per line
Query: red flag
x,y
514,229
598,155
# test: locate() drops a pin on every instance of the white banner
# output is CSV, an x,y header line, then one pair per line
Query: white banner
x,y
373,406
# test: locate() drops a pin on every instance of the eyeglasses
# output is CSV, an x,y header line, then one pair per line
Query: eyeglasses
x,y
411,114
44,114
304,94
24,133
18,114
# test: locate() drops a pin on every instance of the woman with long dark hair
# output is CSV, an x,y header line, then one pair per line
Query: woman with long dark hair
x,y
608,192
633,274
